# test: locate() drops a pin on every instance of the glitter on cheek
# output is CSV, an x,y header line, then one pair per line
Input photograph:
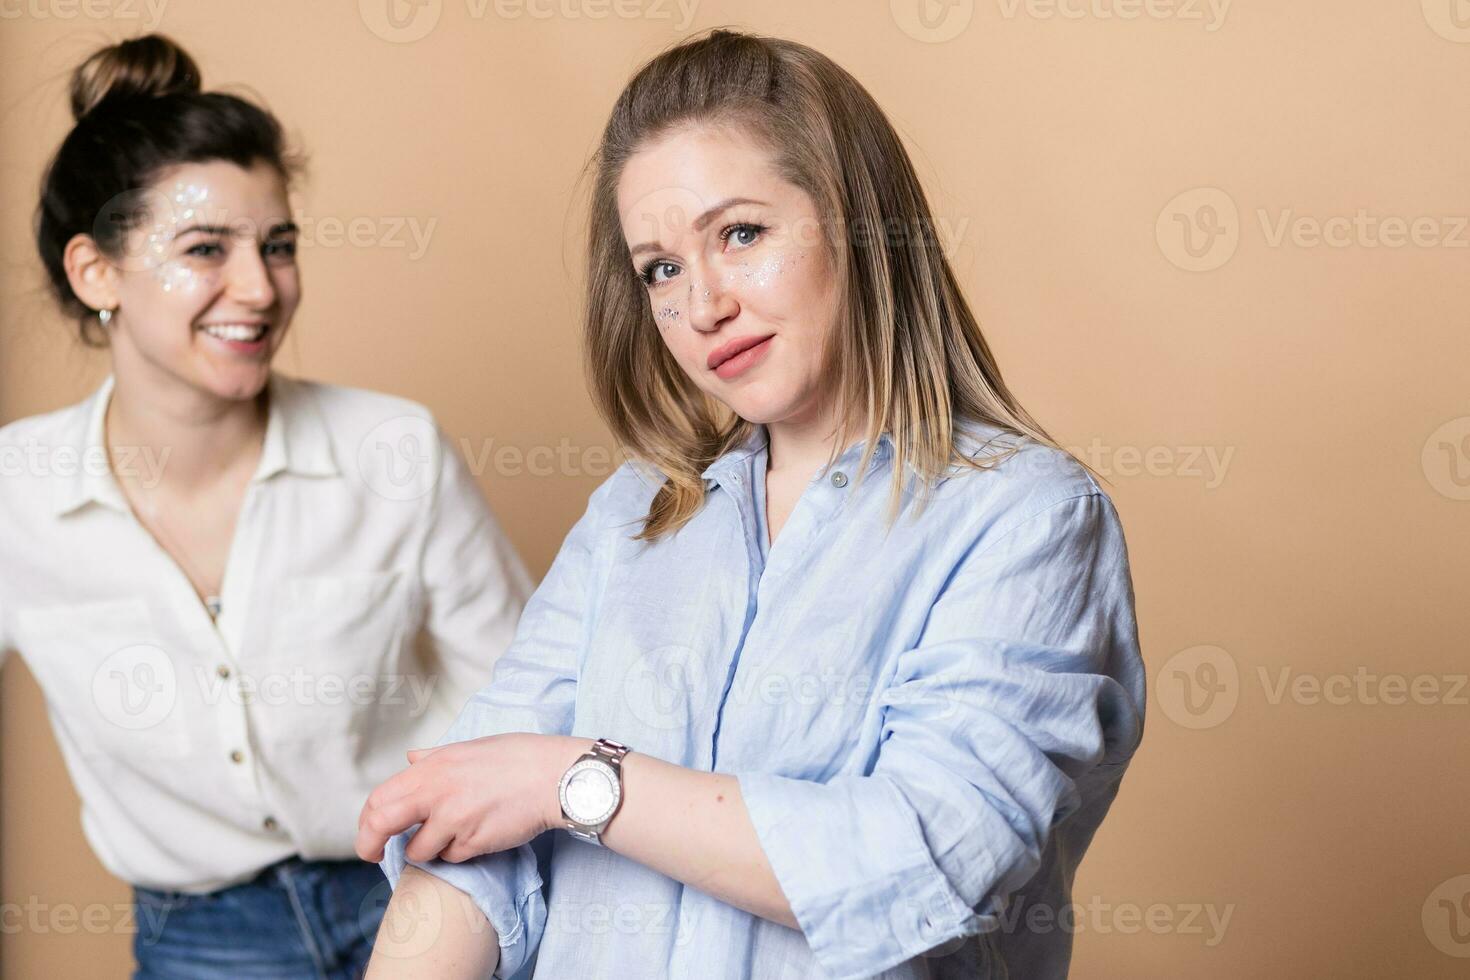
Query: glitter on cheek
x,y
667,316
763,275
178,276
184,203
158,240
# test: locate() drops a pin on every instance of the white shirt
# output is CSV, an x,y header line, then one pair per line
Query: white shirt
x,y
369,590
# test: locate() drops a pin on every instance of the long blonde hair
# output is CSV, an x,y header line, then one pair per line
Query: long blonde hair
x,y
906,354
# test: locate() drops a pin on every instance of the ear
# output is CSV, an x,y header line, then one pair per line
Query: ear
x,y
92,276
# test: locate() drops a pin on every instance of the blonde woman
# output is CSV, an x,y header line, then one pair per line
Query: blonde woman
x,y
243,595
839,675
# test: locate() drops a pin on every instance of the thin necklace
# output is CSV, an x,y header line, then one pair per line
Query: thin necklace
x,y
153,525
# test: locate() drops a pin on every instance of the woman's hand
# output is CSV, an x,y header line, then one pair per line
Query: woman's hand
x,y
492,794
476,797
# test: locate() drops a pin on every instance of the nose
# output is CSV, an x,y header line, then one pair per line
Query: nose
x,y
711,304
250,281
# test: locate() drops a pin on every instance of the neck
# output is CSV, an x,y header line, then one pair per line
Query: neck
x,y
802,443
202,437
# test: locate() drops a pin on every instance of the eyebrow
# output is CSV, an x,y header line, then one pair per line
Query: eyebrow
x,y
280,228
700,223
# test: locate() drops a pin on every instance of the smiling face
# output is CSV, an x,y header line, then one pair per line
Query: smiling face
x,y
207,283
733,258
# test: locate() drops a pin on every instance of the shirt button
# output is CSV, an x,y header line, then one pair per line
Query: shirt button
x,y
839,479
237,756
269,823
222,670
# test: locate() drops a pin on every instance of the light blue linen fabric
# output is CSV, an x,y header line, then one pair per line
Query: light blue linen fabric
x,y
928,723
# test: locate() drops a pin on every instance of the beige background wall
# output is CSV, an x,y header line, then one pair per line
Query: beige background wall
x,y
1281,400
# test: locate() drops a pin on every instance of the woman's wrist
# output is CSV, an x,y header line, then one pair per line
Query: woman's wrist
x,y
560,752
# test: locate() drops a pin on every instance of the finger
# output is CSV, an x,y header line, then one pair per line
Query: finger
x,y
457,852
406,783
414,755
381,821
430,840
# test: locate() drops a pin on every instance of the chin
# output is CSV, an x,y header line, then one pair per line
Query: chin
x,y
237,384
762,410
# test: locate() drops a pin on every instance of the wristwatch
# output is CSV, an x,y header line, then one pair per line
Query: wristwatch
x,y
591,789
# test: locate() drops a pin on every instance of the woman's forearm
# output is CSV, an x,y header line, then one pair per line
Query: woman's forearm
x,y
693,826
432,929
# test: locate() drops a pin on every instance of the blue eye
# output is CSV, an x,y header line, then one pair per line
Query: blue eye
x,y
745,235
650,273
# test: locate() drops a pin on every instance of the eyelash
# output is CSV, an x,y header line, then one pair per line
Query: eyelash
x,y
209,250
646,273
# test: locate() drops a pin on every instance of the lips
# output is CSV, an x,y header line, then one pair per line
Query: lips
x,y
240,332
740,344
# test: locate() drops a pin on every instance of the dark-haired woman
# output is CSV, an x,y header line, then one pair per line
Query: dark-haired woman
x,y
868,633
243,595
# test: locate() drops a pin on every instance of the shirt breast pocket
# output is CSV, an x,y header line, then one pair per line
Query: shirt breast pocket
x,y
337,648
111,689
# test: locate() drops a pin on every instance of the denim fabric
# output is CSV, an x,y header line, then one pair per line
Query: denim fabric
x,y
314,920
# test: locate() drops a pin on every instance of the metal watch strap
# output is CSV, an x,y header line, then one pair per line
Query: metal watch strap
x,y
612,753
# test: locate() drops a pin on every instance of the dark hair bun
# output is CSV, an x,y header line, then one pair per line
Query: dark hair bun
x,y
143,67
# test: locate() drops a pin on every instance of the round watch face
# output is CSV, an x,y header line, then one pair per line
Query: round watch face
x,y
590,792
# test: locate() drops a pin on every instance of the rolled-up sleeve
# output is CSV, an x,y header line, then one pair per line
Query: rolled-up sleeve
x,y
533,689
1025,680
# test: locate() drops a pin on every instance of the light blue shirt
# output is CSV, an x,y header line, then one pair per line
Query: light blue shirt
x,y
928,724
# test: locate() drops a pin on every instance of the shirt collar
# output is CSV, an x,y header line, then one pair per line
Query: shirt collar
x,y
758,442
296,441
727,464
973,439
296,436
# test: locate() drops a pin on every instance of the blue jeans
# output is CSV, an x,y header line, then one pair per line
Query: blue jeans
x,y
306,919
